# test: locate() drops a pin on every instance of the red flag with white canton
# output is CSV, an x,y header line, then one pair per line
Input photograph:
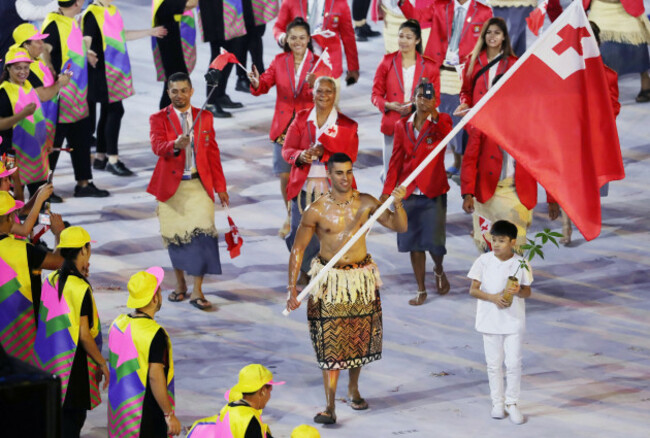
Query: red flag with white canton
x,y
233,239
535,20
564,132
323,66
223,59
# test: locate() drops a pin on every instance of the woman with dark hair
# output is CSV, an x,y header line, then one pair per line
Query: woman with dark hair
x,y
491,58
290,73
68,336
395,80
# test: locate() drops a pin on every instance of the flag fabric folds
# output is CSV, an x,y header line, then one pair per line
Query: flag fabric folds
x,y
223,59
565,132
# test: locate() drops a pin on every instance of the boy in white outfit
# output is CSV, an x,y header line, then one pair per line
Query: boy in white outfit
x,y
501,323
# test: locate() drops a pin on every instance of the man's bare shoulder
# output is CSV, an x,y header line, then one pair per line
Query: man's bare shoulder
x,y
368,200
316,208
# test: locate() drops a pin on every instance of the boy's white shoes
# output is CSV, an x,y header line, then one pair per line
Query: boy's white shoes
x,y
498,412
514,413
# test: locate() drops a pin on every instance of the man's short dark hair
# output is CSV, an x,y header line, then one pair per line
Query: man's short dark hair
x,y
338,157
179,77
504,228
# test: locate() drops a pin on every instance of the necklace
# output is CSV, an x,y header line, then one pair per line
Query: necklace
x,y
345,203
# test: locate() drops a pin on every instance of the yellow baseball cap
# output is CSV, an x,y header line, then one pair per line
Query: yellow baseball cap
x,y
26,32
251,379
305,431
8,204
143,285
17,54
74,237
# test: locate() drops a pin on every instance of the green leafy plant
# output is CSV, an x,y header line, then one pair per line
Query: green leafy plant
x,y
534,248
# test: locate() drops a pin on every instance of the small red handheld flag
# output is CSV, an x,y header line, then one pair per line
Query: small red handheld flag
x,y
233,239
323,66
535,20
223,59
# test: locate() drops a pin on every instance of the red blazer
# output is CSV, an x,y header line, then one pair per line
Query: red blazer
x,y
409,152
388,85
470,95
165,127
301,136
633,7
291,97
481,171
440,15
337,19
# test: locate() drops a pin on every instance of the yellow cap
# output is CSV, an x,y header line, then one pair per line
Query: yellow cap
x,y
74,237
17,54
26,32
305,431
8,204
143,285
251,379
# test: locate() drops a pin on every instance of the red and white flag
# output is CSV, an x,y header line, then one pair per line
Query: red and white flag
x,y
485,230
535,20
565,133
323,66
233,238
224,58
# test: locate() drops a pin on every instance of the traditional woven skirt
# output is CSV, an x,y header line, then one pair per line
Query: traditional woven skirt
x,y
188,230
624,38
344,315
503,205
427,219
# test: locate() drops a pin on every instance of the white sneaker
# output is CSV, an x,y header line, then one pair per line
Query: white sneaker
x,y
498,412
515,414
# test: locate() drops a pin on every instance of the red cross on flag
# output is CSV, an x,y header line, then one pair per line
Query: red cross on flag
x,y
552,112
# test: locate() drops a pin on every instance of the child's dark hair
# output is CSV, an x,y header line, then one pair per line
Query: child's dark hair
x,y
338,157
69,255
504,228
297,22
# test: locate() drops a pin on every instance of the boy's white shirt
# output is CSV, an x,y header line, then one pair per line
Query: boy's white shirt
x,y
493,275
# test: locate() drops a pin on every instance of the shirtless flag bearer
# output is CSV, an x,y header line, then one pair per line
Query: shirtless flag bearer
x,y
344,311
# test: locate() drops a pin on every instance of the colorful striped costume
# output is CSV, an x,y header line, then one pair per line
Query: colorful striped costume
x,y
29,135
57,336
17,328
50,108
116,57
231,422
188,40
73,102
129,342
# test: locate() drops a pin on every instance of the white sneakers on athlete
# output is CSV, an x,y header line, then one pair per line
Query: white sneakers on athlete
x,y
515,414
498,412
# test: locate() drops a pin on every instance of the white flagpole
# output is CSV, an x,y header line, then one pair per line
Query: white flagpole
x,y
314,281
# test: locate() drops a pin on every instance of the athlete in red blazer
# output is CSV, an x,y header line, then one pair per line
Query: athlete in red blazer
x,y
291,96
388,85
301,136
165,127
337,18
474,88
409,151
440,13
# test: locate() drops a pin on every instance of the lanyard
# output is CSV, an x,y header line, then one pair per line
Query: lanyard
x,y
422,136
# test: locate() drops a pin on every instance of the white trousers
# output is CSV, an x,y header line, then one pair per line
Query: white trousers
x,y
386,154
500,349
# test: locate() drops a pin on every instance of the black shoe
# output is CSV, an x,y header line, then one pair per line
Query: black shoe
x,y
358,31
243,85
118,169
90,191
55,199
225,102
100,164
368,32
218,112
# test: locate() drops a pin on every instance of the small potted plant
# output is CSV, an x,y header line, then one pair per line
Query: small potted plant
x,y
530,249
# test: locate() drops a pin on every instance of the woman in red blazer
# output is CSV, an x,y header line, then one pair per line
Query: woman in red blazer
x,y
290,73
395,80
425,201
491,58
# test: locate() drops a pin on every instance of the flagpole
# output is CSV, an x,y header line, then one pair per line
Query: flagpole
x,y
409,179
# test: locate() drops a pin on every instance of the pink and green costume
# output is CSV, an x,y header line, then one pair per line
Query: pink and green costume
x,y
129,342
50,108
73,98
187,25
57,336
